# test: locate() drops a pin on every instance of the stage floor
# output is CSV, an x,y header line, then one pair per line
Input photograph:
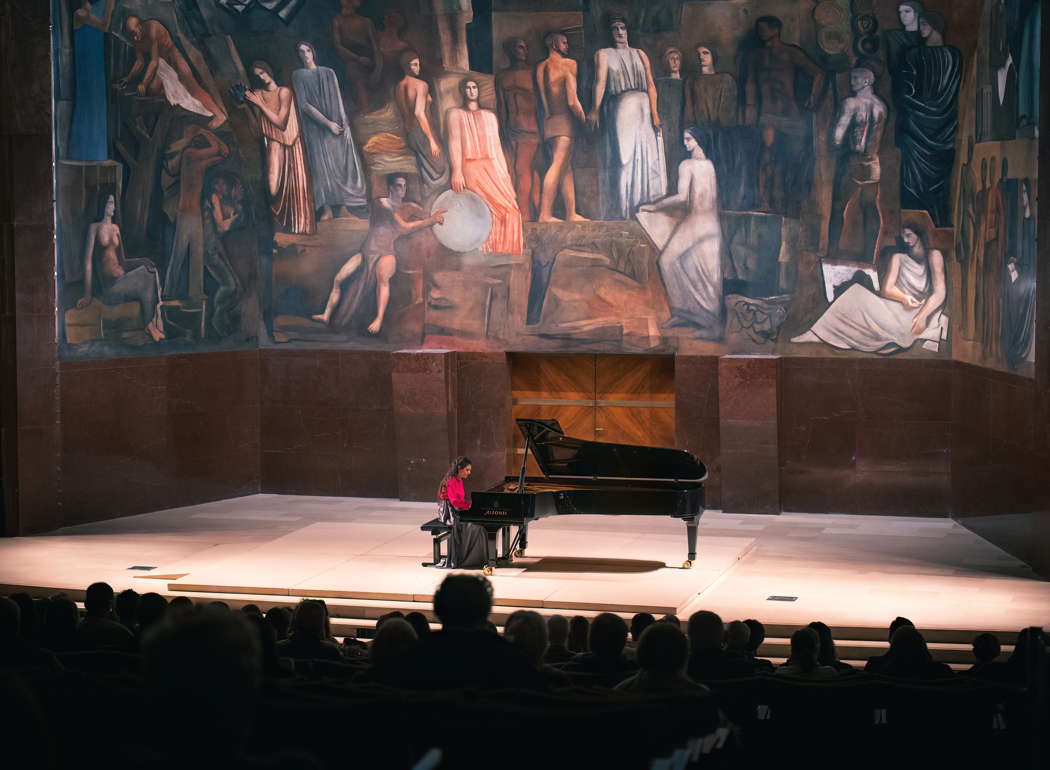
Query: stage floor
x,y
849,571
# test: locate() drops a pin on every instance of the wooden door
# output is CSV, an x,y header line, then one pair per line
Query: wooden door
x,y
619,399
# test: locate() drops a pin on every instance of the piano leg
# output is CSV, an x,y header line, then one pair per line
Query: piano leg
x,y
491,552
690,534
506,542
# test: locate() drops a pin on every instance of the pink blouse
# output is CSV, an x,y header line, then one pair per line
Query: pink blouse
x,y
454,494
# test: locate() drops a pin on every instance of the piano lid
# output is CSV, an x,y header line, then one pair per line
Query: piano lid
x,y
561,456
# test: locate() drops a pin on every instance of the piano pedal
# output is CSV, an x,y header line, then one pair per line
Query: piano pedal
x,y
487,570
687,564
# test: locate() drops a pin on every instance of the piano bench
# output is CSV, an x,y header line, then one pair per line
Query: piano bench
x,y
441,533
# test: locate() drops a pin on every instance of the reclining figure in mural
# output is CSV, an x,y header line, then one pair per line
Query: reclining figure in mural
x,y
908,308
363,303
690,259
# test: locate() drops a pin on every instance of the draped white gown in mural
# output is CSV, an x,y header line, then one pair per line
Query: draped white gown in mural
x,y
862,320
633,168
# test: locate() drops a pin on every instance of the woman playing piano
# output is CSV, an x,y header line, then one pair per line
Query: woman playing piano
x,y
467,543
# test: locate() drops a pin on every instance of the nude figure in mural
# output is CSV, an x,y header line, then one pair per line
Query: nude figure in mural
x,y
478,165
690,261
365,300
556,77
354,37
516,103
414,103
115,278
771,103
908,308
858,130
167,74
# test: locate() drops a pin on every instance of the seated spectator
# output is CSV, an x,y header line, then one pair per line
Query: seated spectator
x,y
181,605
419,623
273,665
876,662
527,630
828,653
30,618
126,608
737,638
557,637
15,651
465,653
394,642
804,662
986,649
252,610
218,606
909,657
754,642
708,661
672,619
99,629
1026,664
639,623
307,640
60,624
663,652
387,617
281,620
151,611
606,659
579,629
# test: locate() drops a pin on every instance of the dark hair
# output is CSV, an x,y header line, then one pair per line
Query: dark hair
x,y
126,606
934,20
463,600
758,634
986,647
259,64
557,629
10,620
509,45
103,196
920,233
406,58
458,464
616,16
694,131
672,619
828,655
714,56
151,610
281,620
899,621
309,45
706,631
770,21
392,643
419,623
579,628
60,620
907,648
392,177
663,649
463,86
805,649
98,598
639,623
608,635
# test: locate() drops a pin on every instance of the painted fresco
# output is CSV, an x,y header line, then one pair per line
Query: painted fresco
x,y
702,176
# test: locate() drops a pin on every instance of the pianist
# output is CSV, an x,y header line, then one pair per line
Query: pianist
x,y
467,541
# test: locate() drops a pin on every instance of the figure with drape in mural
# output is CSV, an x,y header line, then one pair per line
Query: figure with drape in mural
x,y
974,269
516,101
927,100
908,308
556,81
966,227
335,168
114,278
772,103
1028,71
897,42
354,37
89,133
632,167
478,165
287,179
361,305
414,103
167,73
858,130
690,260
996,238
670,100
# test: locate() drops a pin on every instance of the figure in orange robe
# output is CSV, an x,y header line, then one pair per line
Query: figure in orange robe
x,y
478,165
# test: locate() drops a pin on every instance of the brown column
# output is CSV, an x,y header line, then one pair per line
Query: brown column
x,y
696,418
424,394
747,417
30,445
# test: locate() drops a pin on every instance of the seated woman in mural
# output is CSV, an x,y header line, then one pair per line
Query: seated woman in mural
x,y
363,303
114,278
908,308
690,259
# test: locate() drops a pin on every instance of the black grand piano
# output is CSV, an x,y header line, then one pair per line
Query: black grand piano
x,y
583,477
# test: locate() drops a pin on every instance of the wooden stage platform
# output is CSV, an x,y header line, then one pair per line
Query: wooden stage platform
x,y
363,556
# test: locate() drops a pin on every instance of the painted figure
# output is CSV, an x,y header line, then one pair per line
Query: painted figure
x,y
222,211
1028,71
996,240
556,79
908,308
974,270
354,37
966,228
690,261
632,167
785,163
115,278
89,132
516,101
201,149
670,100
478,165
287,180
167,74
335,168
392,44
414,104
858,130
897,42
363,304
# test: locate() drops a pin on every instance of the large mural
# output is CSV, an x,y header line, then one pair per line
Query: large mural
x,y
702,176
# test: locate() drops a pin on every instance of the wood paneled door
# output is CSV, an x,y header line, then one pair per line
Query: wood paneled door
x,y
625,399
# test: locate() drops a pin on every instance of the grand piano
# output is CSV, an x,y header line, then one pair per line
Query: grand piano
x,y
586,477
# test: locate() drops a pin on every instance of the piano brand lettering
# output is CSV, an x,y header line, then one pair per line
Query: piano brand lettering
x,y
496,513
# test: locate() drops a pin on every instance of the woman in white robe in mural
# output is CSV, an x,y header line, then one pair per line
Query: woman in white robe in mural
x,y
690,259
908,308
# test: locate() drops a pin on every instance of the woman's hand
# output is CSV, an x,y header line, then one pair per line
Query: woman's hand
x,y
335,128
918,326
252,97
83,302
459,184
911,302
592,120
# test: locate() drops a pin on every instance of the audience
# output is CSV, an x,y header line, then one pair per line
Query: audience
x,y
663,652
126,608
419,623
527,630
99,629
639,623
754,642
828,655
876,663
395,640
804,662
909,657
150,611
557,640
606,661
60,625
708,661
180,605
579,630
280,619
308,639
